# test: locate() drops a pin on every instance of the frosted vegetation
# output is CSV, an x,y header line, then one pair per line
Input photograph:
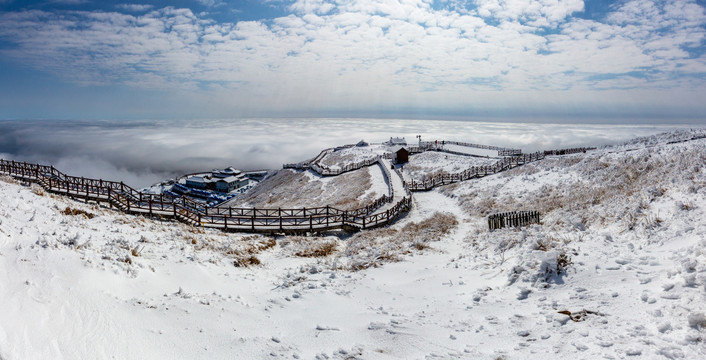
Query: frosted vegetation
x,y
351,155
429,164
296,189
615,269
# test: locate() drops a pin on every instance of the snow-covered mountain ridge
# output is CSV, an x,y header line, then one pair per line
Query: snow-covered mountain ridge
x,y
616,269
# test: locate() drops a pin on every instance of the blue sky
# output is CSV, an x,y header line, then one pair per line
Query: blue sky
x,y
554,60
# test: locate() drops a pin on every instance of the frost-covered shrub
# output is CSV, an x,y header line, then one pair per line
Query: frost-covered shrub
x,y
598,188
542,267
697,321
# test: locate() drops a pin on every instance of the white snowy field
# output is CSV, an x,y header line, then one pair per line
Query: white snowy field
x,y
352,155
470,150
431,163
621,247
290,189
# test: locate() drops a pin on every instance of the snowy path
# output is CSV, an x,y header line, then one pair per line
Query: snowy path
x,y
395,181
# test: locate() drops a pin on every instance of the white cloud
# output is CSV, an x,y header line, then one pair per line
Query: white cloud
x,y
134,7
375,53
311,6
532,12
116,150
211,3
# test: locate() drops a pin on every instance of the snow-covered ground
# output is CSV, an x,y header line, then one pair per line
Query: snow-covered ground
x,y
431,163
351,155
295,189
473,151
617,269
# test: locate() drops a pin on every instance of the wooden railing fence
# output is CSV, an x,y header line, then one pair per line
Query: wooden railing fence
x,y
502,151
129,200
323,170
568,151
512,219
473,172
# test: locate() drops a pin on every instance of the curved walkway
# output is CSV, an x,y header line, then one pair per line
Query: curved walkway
x,y
381,212
394,183
129,200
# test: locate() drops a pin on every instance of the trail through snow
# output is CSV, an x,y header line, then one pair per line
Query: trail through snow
x,y
582,284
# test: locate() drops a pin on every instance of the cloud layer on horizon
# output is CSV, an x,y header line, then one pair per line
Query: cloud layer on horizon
x,y
486,55
141,153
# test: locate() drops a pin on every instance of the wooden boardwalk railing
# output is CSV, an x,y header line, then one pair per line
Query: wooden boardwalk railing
x,y
514,219
129,200
502,151
323,170
568,151
473,172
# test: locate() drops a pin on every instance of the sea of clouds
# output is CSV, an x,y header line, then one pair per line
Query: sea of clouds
x,y
145,152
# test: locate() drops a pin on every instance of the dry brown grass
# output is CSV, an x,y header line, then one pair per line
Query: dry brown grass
x,y
317,250
563,261
38,190
9,179
310,246
374,247
136,252
543,245
242,251
77,212
246,261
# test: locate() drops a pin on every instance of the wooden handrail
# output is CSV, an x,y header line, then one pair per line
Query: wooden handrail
x,y
129,200
474,171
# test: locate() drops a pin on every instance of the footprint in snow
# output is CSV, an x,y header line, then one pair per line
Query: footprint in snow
x,y
671,296
326,328
580,347
633,352
667,287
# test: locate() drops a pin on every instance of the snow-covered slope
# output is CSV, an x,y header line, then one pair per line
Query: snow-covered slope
x,y
621,248
290,189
